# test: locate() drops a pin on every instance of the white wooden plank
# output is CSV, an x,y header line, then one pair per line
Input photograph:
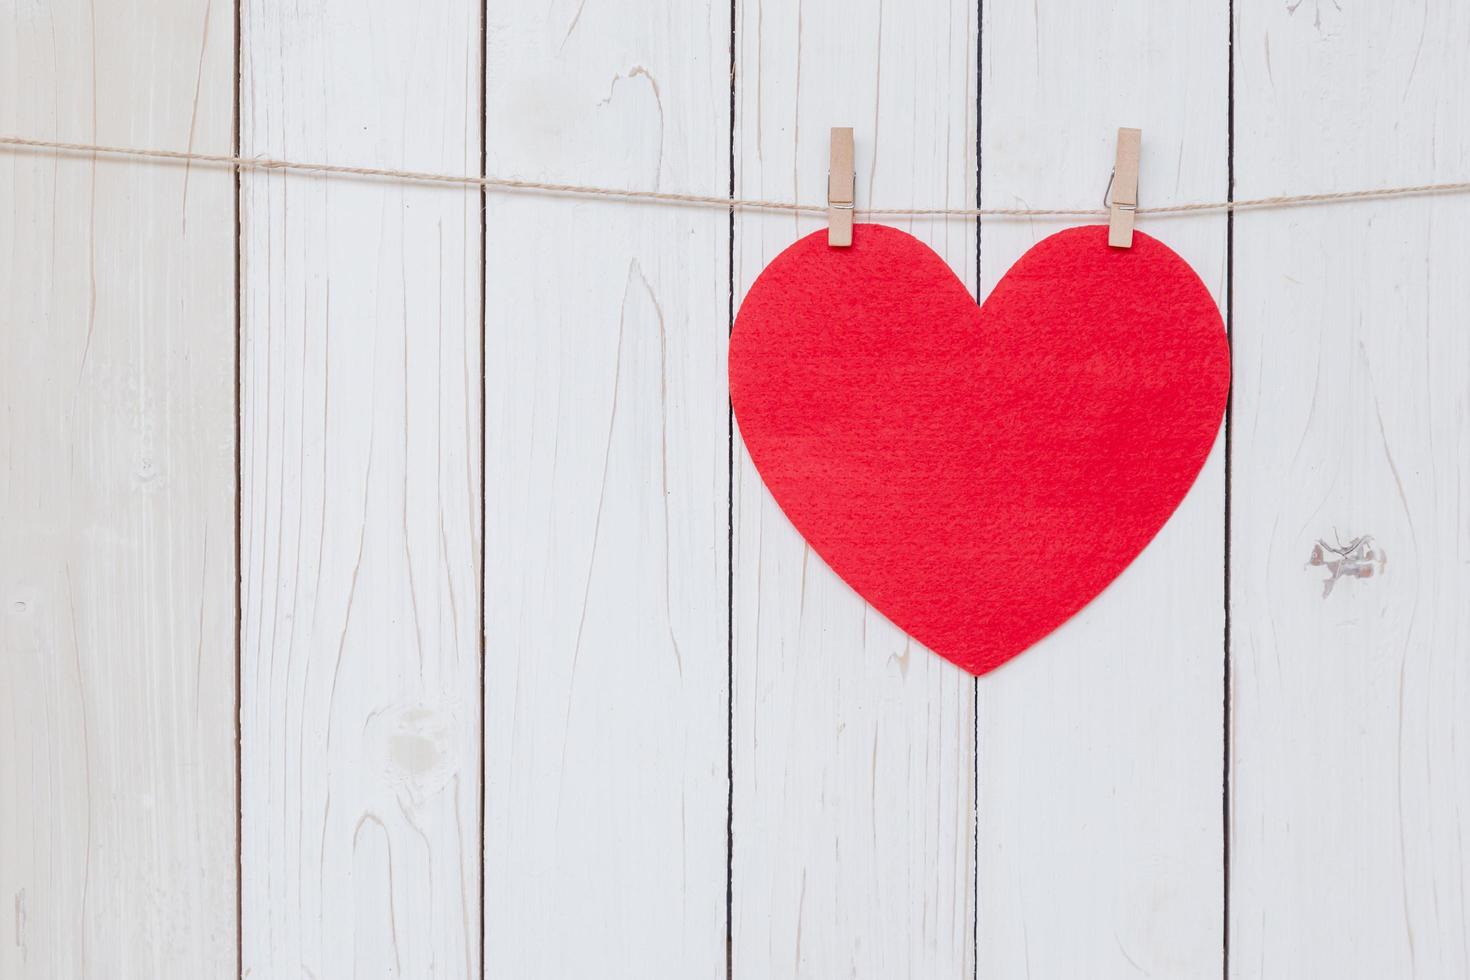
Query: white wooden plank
x,y
1100,750
853,792
361,494
607,496
1351,795
117,497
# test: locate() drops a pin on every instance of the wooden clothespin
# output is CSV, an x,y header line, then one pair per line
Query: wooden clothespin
x,y
841,189
1124,199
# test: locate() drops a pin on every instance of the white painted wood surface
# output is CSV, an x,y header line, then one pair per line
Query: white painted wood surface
x,y
1100,750
607,486
703,756
360,494
117,558
853,747
1351,804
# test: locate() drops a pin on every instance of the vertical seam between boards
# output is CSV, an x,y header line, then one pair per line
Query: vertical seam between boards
x,y
1226,678
730,546
482,644
239,471
975,681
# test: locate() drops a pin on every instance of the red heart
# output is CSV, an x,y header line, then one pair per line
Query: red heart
x,y
978,474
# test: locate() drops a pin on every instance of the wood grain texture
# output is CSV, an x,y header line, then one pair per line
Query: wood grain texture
x,y
1351,801
853,791
607,480
642,596
117,598
1100,749
361,494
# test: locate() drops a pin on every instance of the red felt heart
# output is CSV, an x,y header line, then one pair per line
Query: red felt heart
x,y
947,460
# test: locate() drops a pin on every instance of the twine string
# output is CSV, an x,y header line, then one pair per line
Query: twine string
x,y
723,202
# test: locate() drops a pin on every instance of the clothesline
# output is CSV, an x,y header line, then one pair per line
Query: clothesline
x,y
720,201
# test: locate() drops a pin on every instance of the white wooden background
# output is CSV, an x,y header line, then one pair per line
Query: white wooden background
x,y
384,590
